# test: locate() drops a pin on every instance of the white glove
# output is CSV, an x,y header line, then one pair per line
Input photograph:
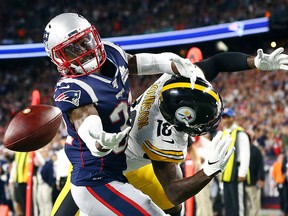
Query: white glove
x,y
186,69
109,140
216,156
273,61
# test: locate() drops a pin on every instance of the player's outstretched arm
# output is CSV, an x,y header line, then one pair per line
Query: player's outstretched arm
x,y
237,61
88,124
179,189
167,62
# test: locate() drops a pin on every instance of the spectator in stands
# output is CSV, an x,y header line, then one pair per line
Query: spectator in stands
x,y
3,199
237,167
152,16
255,179
45,181
281,183
61,166
284,139
19,174
6,159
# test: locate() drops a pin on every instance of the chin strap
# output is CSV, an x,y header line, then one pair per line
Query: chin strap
x,y
88,66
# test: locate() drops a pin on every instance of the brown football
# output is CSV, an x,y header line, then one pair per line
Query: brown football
x,y
32,128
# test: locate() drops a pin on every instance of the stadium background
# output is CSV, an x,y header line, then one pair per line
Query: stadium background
x,y
259,98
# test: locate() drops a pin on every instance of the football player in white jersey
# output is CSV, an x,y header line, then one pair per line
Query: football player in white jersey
x,y
168,113
164,119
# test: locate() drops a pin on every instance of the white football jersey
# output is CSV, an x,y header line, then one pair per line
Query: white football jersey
x,y
151,136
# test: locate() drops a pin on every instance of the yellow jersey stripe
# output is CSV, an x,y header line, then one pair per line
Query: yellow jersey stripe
x,y
162,155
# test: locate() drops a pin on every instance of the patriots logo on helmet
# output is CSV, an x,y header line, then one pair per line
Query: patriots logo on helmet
x,y
45,36
70,96
185,114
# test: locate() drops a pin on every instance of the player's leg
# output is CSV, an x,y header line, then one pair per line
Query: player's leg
x,y
114,198
145,180
64,204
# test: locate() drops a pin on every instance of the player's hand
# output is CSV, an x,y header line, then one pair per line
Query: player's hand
x,y
274,61
186,69
109,140
217,156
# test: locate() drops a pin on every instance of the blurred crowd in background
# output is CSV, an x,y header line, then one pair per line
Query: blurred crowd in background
x,y
21,23
259,98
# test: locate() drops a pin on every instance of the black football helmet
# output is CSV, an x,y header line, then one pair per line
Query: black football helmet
x,y
193,111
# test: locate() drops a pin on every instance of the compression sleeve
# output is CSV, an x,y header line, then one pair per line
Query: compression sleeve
x,y
94,123
223,62
148,63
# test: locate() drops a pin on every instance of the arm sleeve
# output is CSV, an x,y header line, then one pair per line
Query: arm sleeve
x,y
93,123
148,63
244,153
223,62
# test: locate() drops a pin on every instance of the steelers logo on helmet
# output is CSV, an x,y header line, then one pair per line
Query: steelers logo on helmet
x,y
185,115
193,111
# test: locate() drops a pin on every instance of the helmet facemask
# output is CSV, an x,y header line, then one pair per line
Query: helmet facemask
x,y
200,129
81,54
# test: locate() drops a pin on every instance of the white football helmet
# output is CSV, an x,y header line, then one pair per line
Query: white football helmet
x,y
74,45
